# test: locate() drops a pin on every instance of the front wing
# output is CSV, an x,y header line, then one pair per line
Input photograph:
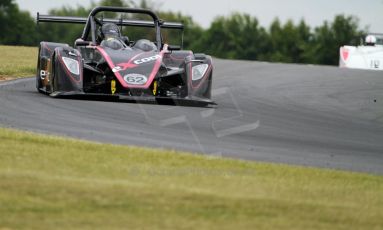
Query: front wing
x,y
187,101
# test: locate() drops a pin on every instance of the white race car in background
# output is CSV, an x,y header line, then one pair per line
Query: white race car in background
x,y
367,56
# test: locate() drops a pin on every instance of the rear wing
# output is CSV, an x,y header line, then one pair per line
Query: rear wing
x,y
120,22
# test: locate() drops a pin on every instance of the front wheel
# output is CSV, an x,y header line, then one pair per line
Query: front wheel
x,y
207,93
39,84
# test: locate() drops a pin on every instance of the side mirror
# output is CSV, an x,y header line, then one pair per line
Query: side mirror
x,y
174,47
200,56
80,42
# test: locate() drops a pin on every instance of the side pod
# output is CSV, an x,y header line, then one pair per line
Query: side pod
x,y
66,71
44,59
199,70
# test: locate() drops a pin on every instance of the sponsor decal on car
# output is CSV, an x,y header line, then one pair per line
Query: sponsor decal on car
x,y
155,86
117,69
146,60
123,66
345,53
113,86
375,64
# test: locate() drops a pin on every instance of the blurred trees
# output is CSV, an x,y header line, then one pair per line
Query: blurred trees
x,y
16,27
192,33
238,36
61,32
329,37
288,43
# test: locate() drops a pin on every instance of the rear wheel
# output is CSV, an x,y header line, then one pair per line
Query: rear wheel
x,y
52,87
41,73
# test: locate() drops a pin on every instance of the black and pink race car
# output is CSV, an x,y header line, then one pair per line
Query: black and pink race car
x,y
104,62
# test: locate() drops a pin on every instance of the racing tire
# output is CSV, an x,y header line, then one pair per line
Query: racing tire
x,y
207,93
39,84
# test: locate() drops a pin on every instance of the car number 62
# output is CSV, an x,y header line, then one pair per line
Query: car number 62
x,y
135,79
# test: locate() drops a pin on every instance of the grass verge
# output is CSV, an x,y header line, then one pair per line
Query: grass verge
x,y
17,61
56,183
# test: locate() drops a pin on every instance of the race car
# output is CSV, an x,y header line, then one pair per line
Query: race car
x,y
366,56
104,62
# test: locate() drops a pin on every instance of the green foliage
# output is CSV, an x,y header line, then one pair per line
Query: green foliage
x,y
329,37
17,27
192,33
288,42
63,33
238,36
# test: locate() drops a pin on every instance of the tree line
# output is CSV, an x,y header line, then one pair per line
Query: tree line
x,y
238,36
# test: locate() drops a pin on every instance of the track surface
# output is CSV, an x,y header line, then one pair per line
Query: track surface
x,y
305,115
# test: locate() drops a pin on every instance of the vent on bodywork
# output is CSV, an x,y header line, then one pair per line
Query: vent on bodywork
x,y
174,85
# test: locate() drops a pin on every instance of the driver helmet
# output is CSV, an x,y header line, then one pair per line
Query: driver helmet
x,y
110,30
145,45
370,40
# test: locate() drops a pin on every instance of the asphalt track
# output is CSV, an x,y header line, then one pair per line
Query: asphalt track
x,y
297,114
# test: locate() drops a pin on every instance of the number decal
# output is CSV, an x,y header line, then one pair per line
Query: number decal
x,y
135,79
375,64
43,73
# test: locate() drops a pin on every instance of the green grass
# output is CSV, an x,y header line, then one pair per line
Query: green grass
x,y
17,61
56,183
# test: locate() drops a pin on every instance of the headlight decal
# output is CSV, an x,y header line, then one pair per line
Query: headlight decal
x,y
199,71
72,65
